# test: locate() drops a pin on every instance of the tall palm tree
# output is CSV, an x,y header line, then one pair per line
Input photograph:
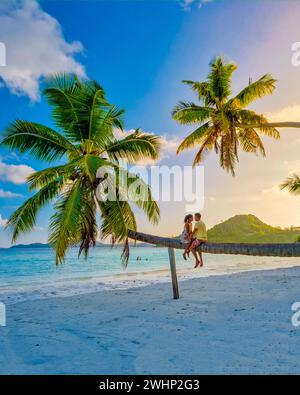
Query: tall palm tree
x,y
85,140
223,122
292,184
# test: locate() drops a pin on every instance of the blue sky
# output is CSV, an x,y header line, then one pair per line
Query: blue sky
x,y
139,51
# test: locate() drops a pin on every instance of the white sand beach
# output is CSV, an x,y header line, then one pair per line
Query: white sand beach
x,y
236,323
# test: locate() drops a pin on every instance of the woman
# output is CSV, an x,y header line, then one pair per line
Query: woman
x,y
186,235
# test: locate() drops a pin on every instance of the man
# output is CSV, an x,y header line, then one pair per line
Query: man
x,y
200,236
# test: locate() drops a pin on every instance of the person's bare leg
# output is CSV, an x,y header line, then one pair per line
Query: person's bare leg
x,y
200,255
189,249
196,257
186,252
200,259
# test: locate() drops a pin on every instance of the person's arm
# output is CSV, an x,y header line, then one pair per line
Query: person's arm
x,y
195,229
186,226
190,230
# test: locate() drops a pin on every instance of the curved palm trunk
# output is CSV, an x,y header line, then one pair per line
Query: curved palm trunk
x,y
280,250
274,125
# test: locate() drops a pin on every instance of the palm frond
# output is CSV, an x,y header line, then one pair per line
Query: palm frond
x,y
62,92
117,219
206,146
203,91
25,217
251,118
90,165
96,116
42,178
42,142
219,78
89,229
228,153
76,105
135,147
250,141
73,212
269,131
97,100
195,138
138,192
292,184
109,118
255,90
188,113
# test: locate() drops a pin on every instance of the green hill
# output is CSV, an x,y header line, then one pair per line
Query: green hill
x,y
250,229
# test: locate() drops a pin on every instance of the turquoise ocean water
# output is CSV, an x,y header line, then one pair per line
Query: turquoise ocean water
x,y
19,265
32,272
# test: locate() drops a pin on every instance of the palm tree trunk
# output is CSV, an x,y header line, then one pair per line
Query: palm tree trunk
x,y
274,125
279,249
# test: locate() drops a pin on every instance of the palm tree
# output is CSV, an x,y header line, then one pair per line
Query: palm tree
x,y
292,184
86,141
255,249
223,122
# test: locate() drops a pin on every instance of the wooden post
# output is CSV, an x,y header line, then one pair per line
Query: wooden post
x,y
173,273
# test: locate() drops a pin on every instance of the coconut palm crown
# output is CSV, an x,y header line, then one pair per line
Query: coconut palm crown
x,y
292,183
224,123
84,141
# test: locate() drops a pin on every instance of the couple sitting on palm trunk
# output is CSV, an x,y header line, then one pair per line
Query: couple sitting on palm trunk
x,y
193,238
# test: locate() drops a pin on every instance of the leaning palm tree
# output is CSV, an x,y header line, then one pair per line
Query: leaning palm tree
x,y
292,184
224,123
86,142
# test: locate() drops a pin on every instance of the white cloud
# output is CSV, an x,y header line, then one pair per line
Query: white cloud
x,y
289,113
292,166
13,156
35,47
16,174
186,4
38,228
8,194
168,148
3,221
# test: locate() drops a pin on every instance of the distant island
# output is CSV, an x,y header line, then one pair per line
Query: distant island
x,y
32,245
45,245
250,229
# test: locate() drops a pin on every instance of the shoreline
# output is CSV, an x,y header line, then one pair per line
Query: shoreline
x,y
220,325
43,288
